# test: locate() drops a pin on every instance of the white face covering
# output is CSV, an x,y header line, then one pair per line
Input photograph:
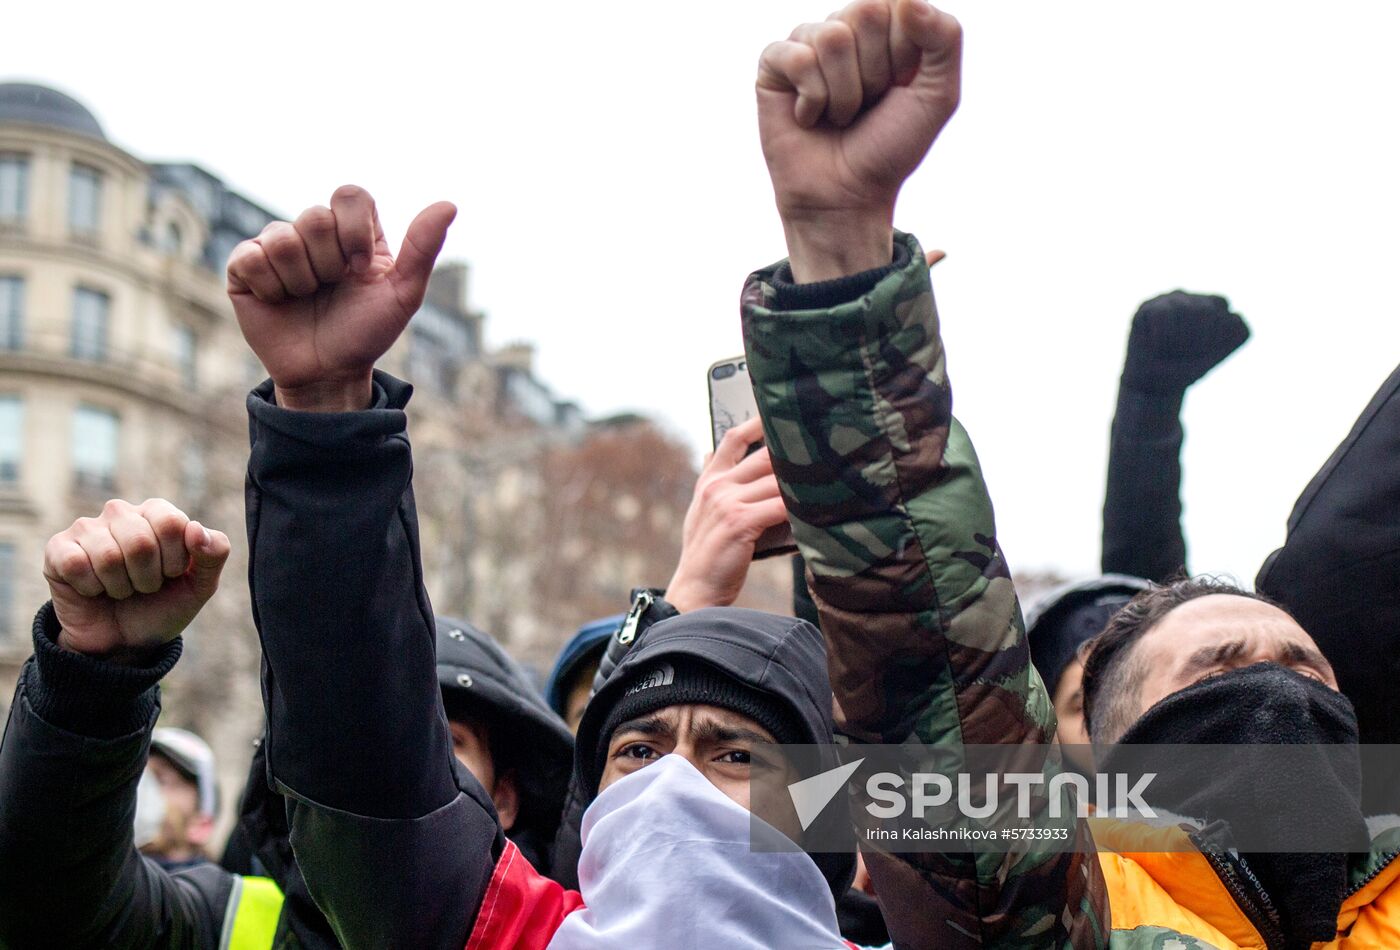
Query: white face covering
x,y
150,809
666,862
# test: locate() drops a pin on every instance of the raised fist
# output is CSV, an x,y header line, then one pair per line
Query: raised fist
x,y
320,299
1177,338
847,109
131,578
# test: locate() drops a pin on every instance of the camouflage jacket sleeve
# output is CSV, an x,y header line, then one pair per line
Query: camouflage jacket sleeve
x,y
924,636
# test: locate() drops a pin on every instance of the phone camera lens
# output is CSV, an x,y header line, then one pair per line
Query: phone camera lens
x,y
723,372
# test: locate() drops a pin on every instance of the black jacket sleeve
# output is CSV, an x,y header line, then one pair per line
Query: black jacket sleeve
x,y
1338,571
1142,503
73,751
396,843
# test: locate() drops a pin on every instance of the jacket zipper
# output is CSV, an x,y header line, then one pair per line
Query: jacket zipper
x,y
1250,896
1389,857
641,605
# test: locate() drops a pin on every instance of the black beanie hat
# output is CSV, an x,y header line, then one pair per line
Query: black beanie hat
x,y
1062,621
676,681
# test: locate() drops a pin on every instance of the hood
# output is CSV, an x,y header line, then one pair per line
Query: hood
x,y
780,656
479,680
587,643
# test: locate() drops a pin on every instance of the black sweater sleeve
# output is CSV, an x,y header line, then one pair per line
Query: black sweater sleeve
x,y
396,844
1142,503
73,750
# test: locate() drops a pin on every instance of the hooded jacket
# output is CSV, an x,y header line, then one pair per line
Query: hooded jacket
x,y
74,748
893,518
480,681
586,644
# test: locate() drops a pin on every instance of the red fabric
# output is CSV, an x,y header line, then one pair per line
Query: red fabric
x,y
522,908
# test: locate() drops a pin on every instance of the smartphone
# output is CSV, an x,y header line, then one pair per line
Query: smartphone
x,y
732,402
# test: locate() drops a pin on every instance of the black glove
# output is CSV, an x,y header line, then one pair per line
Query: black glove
x,y
1177,338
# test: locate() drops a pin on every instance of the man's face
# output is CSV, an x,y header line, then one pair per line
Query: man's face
x,y
718,742
1217,634
184,831
471,744
579,691
1069,713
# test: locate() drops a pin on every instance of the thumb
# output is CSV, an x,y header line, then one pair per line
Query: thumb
x,y
209,550
421,246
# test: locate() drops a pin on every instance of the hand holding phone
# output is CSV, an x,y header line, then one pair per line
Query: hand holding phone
x,y
732,404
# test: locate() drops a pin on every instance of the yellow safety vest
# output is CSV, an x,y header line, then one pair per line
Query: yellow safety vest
x,y
250,921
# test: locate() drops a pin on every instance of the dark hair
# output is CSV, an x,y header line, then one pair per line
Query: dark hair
x,y
1111,677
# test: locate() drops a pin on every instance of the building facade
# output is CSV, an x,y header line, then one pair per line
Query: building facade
x,y
123,375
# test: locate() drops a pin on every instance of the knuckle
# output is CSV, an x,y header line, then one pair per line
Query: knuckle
x,y
282,245
834,37
349,193
115,508
318,220
710,492
243,255
272,229
870,13
140,547
74,564
168,525
108,560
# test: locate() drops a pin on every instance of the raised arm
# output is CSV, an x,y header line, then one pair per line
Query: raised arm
x,y
884,492
1175,340
396,844
124,584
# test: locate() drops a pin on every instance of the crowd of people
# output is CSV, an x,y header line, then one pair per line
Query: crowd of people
x,y
413,788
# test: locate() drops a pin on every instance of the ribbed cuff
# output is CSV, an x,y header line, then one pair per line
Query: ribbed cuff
x,y
825,294
88,696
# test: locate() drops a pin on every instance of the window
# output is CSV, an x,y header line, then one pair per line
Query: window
x,y
14,188
84,199
11,438
11,312
186,347
7,590
90,324
95,448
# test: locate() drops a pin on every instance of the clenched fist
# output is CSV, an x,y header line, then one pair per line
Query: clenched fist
x,y
131,578
847,109
320,299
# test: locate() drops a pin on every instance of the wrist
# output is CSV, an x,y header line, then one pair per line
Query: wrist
x,y
118,656
330,395
683,595
831,246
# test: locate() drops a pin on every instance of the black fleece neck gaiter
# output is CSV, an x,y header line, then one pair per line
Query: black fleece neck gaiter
x,y
1266,704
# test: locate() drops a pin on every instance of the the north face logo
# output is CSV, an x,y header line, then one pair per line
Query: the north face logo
x,y
662,675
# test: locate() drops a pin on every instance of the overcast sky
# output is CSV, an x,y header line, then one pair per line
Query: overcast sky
x,y
612,194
